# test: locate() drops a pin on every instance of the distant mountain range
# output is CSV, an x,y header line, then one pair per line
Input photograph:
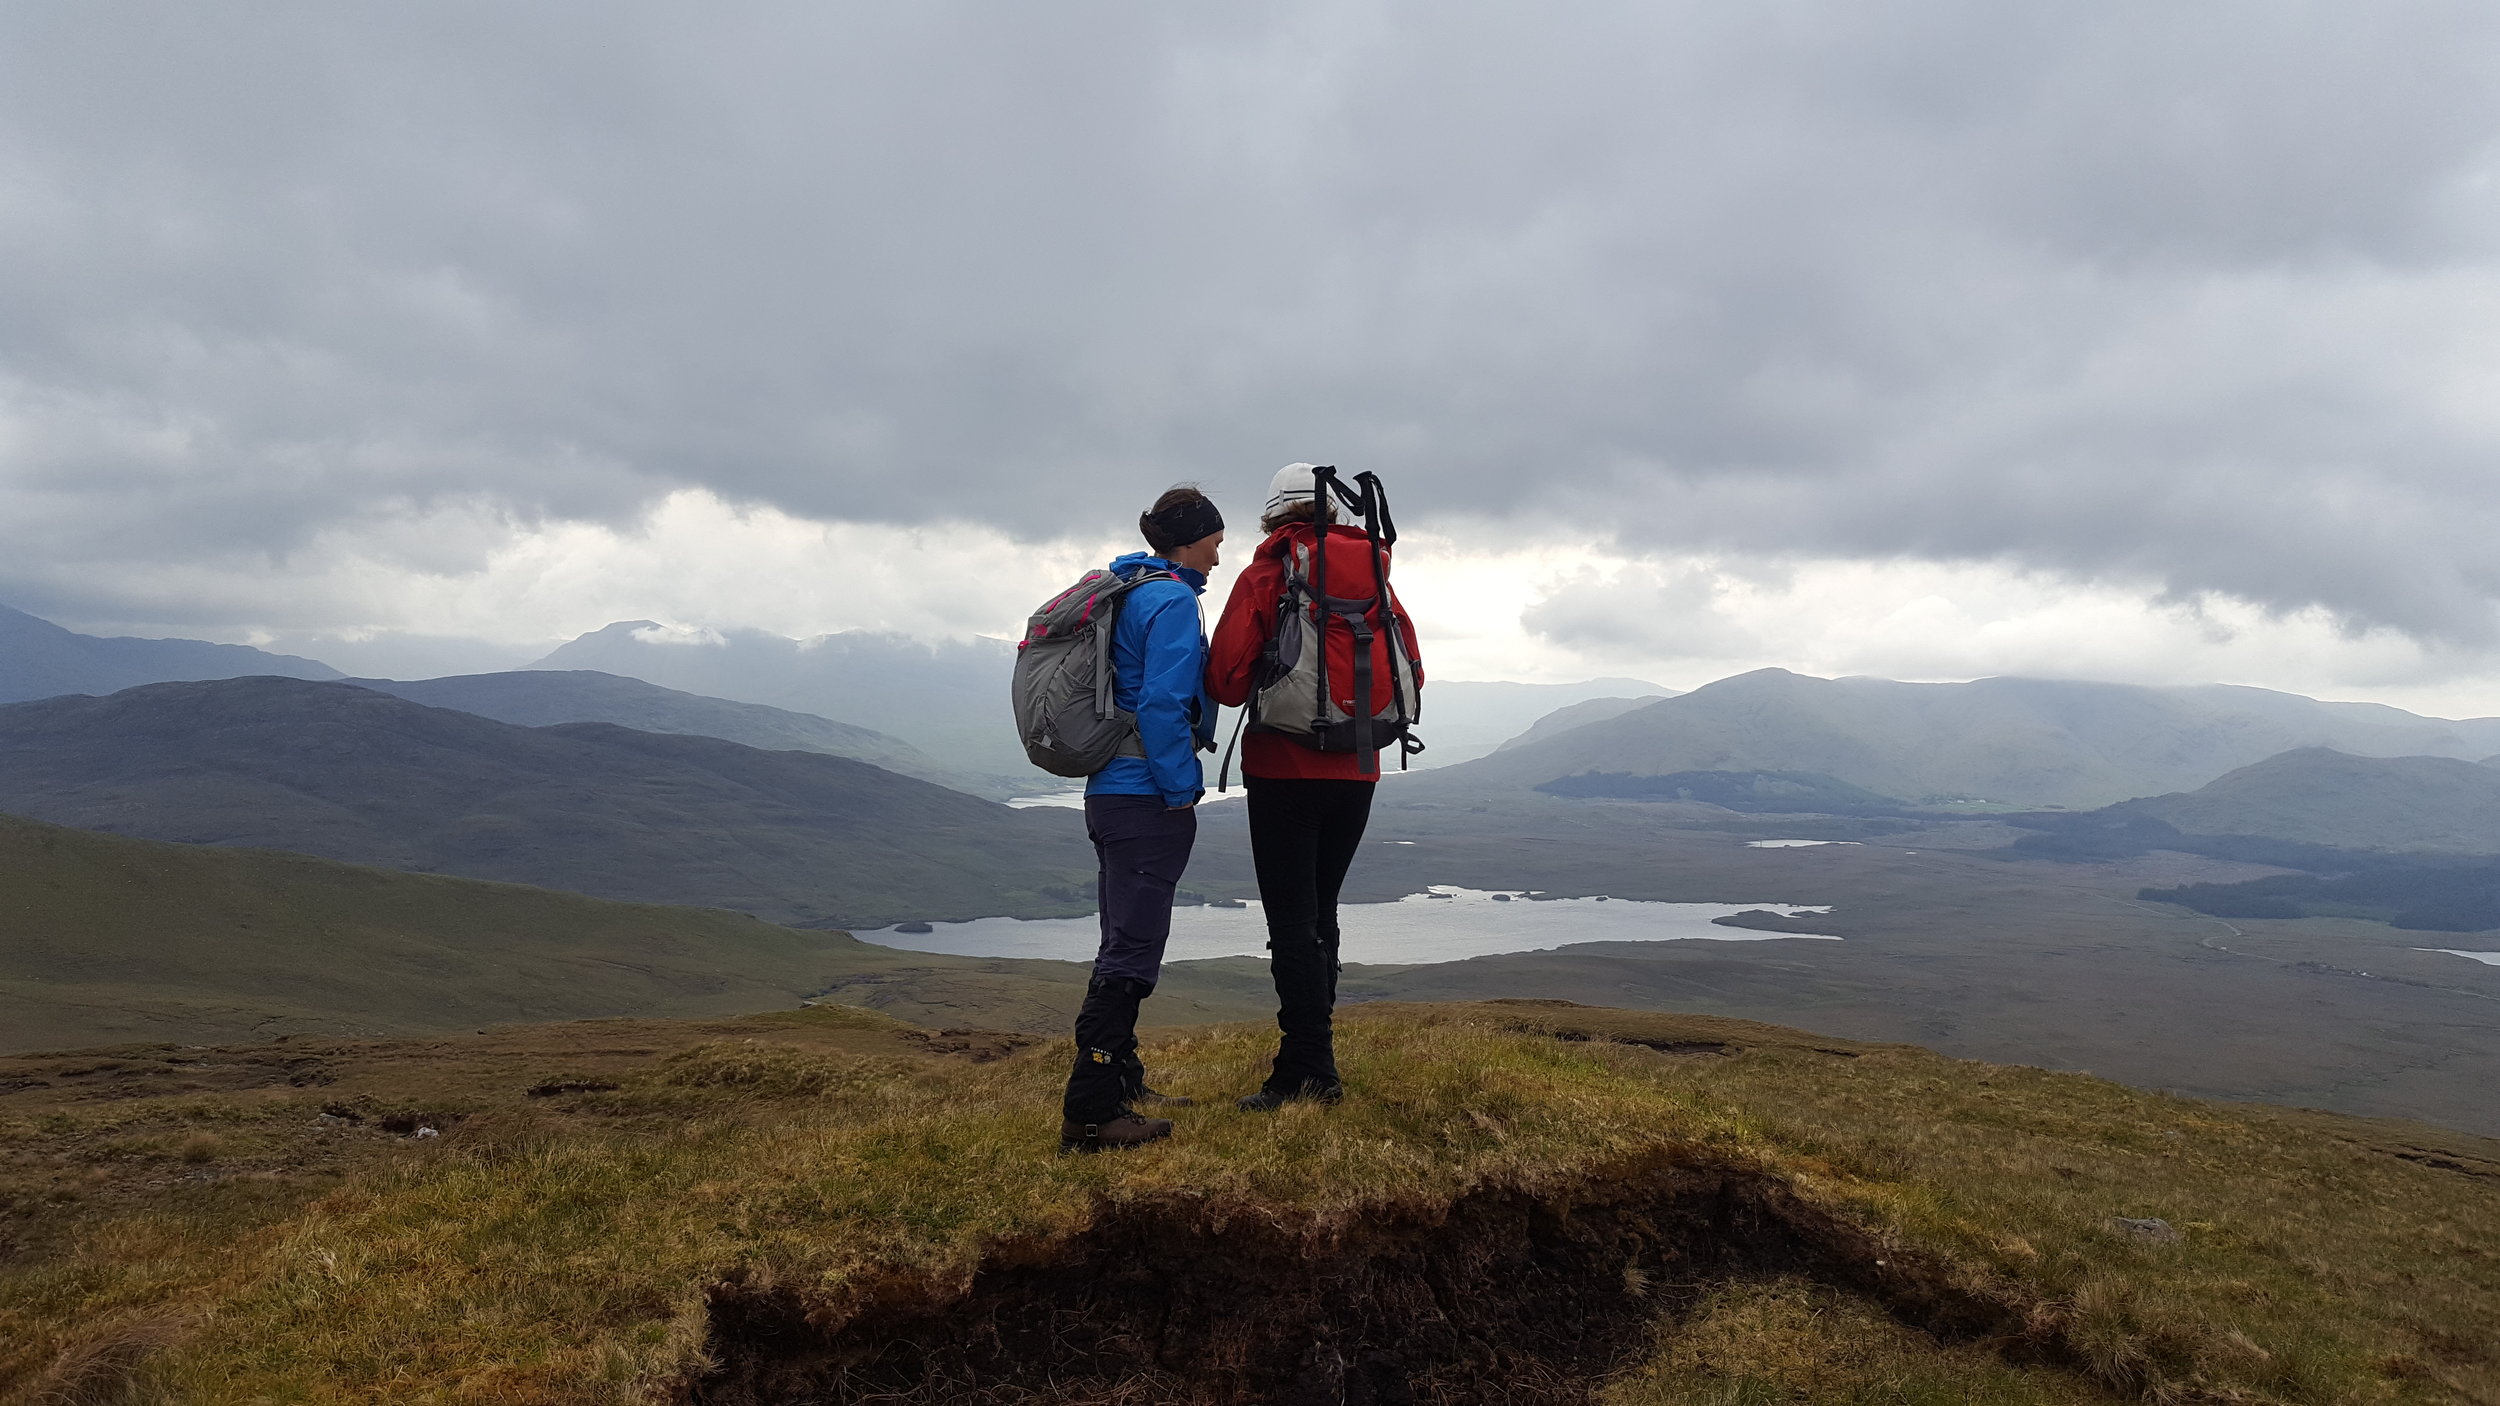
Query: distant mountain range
x,y
39,659
2409,841
937,712
2020,742
2322,797
948,698
546,697
347,773
933,710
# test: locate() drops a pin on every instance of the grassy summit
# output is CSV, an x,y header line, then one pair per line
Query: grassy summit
x,y
1520,1201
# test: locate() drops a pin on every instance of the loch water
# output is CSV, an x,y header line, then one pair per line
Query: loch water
x,y
1443,924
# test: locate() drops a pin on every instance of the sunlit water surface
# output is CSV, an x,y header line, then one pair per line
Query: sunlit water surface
x,y
1794,844
1443,924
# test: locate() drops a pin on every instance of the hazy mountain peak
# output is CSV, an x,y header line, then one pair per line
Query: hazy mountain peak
x,y
947,698
39,659
549,697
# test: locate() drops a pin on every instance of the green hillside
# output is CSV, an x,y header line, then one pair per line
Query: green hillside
x,y
105,940
2017,742
345,773
1518,1202
2322,797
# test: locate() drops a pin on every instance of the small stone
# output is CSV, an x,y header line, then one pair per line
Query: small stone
x,y
2154,1229
427,1132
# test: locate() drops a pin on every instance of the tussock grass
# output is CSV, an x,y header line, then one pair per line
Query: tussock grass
x,y
1786,1341
562,1249
771,1071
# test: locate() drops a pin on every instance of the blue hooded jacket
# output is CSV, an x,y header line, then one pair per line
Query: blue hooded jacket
x,y
1159,673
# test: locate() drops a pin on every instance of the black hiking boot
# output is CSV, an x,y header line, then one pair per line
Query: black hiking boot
x,y
1269,1100
1126,1130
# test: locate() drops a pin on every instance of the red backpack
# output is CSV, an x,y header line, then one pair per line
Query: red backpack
x,y
1329,651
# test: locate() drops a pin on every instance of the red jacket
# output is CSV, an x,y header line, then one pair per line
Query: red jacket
x,y
1250,618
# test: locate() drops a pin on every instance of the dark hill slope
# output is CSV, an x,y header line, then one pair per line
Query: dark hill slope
x,y
39,659
2012,741
347,773
2322,797
104,938
548,697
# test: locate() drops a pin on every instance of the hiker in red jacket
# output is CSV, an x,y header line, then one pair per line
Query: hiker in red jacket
x,y
1310,788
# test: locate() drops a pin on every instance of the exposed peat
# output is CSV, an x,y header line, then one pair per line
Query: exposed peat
x,y
1503,1296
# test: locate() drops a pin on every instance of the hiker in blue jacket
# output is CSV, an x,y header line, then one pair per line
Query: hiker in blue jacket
x,y
1140,813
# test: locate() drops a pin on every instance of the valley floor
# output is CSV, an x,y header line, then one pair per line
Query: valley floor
x,y
1967,952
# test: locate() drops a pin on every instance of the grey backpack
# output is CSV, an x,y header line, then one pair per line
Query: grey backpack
x,y
1064,708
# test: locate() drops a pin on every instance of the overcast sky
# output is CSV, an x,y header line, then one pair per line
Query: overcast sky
x,y
2151,340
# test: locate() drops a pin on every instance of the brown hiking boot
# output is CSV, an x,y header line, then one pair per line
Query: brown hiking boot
x,y
1127,1130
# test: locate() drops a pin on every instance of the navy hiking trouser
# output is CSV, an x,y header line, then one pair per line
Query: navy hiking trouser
x,y
1143,846
1303,835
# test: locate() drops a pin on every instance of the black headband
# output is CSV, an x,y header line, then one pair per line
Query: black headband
x,y
1183,523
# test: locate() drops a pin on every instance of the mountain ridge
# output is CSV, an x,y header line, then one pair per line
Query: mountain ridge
x,y
348,773
39,659
948,698
550,697
2319,796
2018,742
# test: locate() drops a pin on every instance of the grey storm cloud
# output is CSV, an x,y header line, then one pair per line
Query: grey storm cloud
x,y
2200,294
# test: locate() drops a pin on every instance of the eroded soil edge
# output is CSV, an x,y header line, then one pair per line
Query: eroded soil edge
x,y
1502,1296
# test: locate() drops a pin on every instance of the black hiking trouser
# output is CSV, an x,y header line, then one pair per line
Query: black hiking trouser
x,y
1143,845
1303,835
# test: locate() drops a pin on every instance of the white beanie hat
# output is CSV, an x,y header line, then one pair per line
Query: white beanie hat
x,y
1293,484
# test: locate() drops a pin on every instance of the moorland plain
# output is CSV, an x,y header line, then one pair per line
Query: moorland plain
x,y
2021,961
1954,946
